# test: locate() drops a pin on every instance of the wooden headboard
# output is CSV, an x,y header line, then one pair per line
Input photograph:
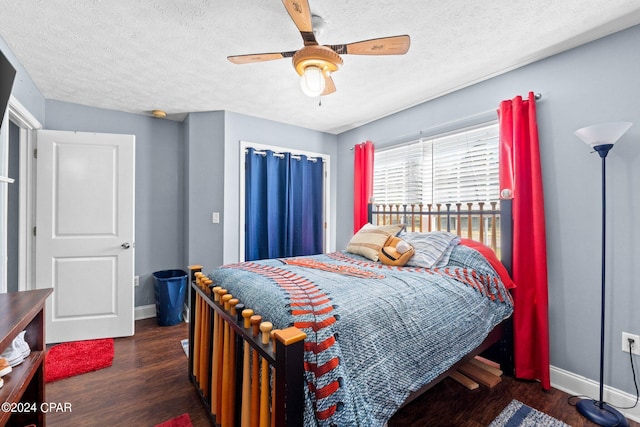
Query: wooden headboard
x,y
490,223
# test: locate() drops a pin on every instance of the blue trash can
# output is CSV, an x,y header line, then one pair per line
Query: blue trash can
x,y
171,288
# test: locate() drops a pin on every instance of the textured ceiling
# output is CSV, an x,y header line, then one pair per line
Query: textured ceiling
x,y
137,56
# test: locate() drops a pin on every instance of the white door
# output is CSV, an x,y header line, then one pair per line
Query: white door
x,y
85,232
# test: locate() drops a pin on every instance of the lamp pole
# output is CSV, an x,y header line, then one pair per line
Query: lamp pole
x,y
603,150
598,411
601,138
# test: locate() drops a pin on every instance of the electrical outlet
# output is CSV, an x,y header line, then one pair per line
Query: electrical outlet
x,y
136,280
215,217
636,343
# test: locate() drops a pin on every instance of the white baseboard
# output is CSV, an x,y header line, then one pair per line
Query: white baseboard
x,y
145,312
577,385
149,311
185,313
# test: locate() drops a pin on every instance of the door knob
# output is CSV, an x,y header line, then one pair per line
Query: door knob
x,y
125,245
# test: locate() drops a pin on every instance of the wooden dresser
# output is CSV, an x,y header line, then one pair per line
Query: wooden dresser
x,y
23,391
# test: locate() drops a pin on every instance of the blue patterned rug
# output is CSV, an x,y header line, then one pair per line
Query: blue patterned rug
x,y
517,414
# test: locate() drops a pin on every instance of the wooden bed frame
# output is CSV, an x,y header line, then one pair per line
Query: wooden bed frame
x,y
232,350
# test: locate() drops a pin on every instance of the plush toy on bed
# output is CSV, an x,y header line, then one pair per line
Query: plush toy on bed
x,y
395,251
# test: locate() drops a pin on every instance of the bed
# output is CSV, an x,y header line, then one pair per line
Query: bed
x,y
354,339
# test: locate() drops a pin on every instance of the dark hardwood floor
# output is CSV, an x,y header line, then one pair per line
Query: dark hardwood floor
x,y
148,384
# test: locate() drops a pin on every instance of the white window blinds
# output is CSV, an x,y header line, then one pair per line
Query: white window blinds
x,y
457,167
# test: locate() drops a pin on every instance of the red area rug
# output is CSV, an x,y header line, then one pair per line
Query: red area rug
x,y
182,421
78,357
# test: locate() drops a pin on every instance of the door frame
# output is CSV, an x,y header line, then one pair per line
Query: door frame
x,y
28,125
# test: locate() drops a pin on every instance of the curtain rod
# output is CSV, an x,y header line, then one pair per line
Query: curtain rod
x,y
419,134
281,155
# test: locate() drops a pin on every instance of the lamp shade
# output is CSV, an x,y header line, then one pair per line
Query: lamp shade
x,y
312,82
604,133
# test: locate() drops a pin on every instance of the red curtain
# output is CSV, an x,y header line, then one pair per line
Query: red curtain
x,y
520,172
362,183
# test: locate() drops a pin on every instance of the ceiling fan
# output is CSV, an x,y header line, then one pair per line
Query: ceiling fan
x,y
314,62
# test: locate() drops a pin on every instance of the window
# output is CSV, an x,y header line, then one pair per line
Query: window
x,y
456,167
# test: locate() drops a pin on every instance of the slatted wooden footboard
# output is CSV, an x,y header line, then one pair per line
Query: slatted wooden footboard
x,y
246,373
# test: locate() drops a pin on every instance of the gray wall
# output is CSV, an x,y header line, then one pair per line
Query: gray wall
x,y
160,183
591,84
23,87
205,190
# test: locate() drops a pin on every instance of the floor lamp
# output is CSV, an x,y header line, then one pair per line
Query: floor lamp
x,y
601,138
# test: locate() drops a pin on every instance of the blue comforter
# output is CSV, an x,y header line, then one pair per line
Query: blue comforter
x,y
374,333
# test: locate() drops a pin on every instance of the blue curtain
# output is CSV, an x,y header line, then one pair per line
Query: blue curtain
x,y
283,205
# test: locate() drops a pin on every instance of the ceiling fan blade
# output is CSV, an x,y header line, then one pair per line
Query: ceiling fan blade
x,y
395,45
329,86
259,57
301,15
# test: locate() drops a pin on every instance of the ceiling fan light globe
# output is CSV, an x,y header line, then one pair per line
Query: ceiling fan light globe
x,y
312,81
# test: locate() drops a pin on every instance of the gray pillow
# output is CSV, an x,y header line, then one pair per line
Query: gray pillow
x,y
433,249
